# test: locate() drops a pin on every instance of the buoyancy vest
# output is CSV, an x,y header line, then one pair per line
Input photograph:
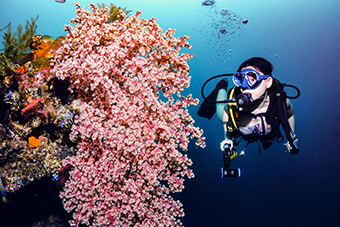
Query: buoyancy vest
x,y
275,116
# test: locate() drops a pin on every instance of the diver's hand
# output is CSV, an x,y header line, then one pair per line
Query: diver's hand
x,y
288,147
292,148
226,141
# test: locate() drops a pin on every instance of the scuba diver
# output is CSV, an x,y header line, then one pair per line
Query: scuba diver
x,y
253,109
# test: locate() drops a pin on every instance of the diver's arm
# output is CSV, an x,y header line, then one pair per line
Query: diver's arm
x,y
291,122
226,140
291,146
223,116
221,113
290,114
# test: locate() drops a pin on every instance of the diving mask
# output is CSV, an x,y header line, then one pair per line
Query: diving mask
x,y
248,79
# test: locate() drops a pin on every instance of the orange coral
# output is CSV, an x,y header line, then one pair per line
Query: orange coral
x,y
44,49
47,47
33,141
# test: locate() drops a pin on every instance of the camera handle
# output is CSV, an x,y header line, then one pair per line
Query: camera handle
x,y
228,155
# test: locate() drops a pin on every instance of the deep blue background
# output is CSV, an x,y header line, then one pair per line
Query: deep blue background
x,y
301,39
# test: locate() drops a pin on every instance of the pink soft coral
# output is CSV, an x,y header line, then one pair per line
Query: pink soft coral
x,y
128,159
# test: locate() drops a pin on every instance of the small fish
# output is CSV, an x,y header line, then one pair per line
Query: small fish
x,y
60,1
208,3
47,38
3,192
31,104
245,22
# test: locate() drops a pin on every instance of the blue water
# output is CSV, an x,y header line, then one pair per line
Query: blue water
x,y
301,39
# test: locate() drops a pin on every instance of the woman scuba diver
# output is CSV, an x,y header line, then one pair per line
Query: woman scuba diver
x,y
253,109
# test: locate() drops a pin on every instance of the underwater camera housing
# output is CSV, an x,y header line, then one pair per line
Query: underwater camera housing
x,y
226,171
230,172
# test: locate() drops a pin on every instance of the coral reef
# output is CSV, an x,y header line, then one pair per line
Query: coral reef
x,y
34,130
35,121
133,130
99,109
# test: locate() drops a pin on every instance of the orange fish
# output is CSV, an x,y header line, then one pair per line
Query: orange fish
x,y
22,69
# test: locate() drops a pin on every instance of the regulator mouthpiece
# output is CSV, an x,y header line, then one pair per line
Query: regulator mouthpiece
x,y
244,100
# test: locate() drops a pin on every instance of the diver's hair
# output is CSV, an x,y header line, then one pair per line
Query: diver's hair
x,y
262,64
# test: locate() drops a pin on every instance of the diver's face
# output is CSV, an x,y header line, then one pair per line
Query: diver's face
x,y
261,89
